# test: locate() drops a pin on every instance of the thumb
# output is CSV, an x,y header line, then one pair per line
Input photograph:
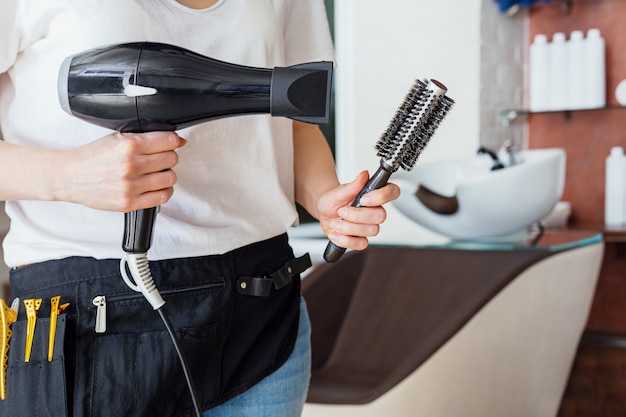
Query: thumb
x,y
341,196
349,191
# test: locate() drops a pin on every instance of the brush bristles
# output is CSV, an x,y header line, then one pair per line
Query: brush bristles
x,y
416,120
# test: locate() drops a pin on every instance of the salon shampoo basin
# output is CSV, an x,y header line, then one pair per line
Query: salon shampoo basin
x,y
465,199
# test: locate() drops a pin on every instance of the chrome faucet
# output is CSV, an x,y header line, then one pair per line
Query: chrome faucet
x,y
510,148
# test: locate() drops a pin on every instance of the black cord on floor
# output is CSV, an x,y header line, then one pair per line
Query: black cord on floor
x,y
181,356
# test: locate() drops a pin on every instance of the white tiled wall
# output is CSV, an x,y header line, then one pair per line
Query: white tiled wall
x,y
502,73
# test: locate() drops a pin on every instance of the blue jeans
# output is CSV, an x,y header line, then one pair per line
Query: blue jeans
x,y
282,393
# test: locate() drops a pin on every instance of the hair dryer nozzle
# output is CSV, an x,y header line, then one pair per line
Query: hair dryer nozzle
x,y
302,92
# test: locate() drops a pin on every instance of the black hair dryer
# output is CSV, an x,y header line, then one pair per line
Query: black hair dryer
x,y
146,86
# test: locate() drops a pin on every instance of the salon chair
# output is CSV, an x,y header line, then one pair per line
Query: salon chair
x,y
479,330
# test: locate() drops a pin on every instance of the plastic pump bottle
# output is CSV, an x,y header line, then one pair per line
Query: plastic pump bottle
x,y
576,75
595,69
558,68
614,188
539,74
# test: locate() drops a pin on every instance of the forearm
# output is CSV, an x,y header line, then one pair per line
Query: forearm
x,y
29,173
119,172
314,166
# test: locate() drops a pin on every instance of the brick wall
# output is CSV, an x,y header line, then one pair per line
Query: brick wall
x,y
587,137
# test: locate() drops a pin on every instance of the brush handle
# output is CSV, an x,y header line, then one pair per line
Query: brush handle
x,y
378,180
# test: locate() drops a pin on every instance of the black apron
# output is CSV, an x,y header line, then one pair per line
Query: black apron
x,y
236,316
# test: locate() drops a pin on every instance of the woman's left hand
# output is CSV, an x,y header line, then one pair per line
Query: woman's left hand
x,y
347,226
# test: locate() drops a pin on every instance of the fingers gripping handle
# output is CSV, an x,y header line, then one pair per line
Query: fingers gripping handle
x,y
333,253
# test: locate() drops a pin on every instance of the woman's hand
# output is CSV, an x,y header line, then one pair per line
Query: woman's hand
x,y
347,226
121,171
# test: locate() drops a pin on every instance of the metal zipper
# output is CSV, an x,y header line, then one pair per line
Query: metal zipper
x,y
100,302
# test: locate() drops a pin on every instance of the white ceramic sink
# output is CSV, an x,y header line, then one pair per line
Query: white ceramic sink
x,y
465,200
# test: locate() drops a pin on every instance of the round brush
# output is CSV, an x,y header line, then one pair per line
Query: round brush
x,y
416,120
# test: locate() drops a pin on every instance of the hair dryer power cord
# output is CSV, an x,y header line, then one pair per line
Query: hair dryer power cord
x,y
183,361
143,282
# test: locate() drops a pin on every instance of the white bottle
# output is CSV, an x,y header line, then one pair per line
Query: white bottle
x,y
595,69
620,93
558,68
539,75
614,187
576,75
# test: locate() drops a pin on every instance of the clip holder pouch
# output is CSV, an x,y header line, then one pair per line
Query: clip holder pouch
x,y
36,388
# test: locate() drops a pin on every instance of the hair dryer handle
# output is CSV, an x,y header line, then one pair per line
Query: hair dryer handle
x,y
138,227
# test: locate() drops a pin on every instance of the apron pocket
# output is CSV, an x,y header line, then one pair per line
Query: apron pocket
x,y
36,388
136,364
143,373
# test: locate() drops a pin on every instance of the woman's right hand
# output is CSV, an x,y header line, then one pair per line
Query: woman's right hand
x,y
121,171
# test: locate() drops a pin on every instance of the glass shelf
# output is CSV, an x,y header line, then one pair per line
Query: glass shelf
x,y
550,240
510,115
612,234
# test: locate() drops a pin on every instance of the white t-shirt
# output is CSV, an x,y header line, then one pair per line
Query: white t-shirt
x,y
235,175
